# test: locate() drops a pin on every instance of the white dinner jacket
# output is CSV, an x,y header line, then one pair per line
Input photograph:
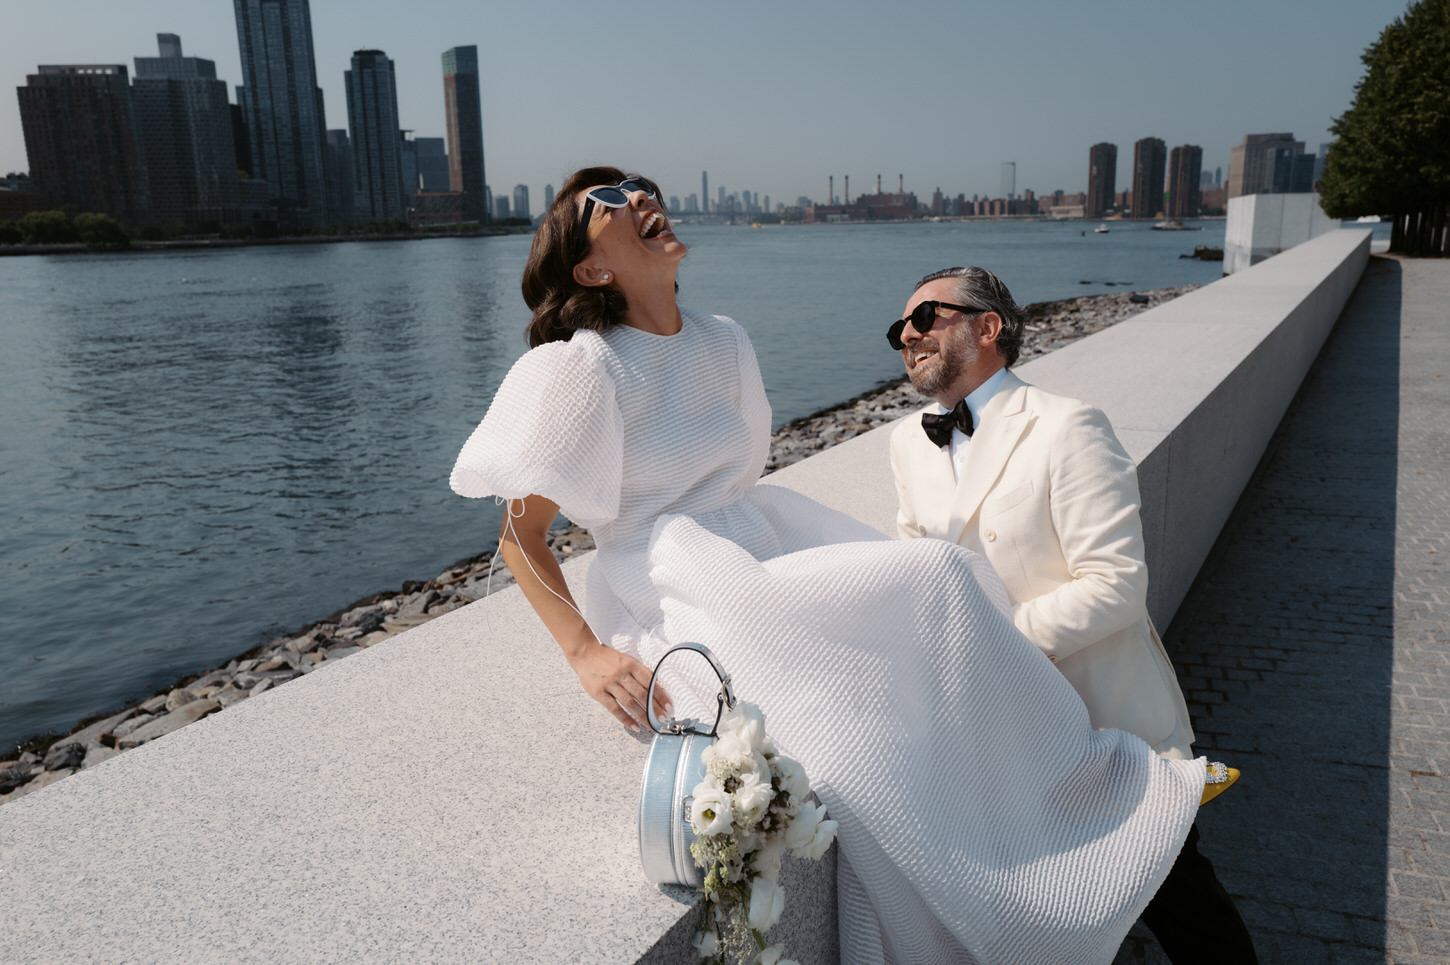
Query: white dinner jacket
x,y
1050,498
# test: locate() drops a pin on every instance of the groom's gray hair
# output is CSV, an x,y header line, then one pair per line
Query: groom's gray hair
x,y
982,289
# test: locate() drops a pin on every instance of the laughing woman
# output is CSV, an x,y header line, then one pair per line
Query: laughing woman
x,y
981,819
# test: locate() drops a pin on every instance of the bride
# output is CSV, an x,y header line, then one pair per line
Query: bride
x,y
981,819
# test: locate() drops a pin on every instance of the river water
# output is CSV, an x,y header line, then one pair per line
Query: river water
x,y
202,449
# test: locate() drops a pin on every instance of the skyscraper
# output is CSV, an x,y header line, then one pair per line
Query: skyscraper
x,y
372,118
1185,166
432,163
705,191
521,201
408,152
1102,179
1009,179
548,196
81,139
185,126
1149,157
282,105
463,106
1252,164
341,194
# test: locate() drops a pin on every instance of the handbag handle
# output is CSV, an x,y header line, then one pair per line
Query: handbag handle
x,y
725,698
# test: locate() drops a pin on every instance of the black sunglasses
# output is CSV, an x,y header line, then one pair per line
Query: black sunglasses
x,y
922,318
611,197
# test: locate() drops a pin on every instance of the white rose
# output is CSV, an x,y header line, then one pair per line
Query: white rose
x,y
792,779
751,798
766,861
769,955
767,901
825,834
704,943
733,751
747,723
710,813
803,828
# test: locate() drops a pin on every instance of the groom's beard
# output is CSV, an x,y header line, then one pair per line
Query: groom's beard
x,y
955,354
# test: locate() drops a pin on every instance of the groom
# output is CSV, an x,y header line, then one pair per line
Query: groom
x,y
1040,486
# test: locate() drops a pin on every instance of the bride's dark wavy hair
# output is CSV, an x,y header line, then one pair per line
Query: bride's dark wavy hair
x,y
561,305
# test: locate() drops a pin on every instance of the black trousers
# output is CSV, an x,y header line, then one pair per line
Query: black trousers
x,y
1193,917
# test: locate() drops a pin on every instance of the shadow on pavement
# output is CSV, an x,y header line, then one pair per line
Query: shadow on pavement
x,y
1284,649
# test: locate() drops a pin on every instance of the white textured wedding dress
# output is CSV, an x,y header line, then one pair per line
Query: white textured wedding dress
x,y
981,819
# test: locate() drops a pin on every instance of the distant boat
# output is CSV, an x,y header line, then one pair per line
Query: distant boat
x,y
1172,225
1368,219
1101,229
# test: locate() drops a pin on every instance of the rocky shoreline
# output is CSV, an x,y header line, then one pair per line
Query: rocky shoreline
x,y
42,761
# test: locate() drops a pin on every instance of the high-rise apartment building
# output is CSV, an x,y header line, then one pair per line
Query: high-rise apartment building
x,y
377,154
282,106
1009,179
341,193
408,151
82,141
1102,179
548,197
432,163
501,207
185,125
1253,164
705,191
521,201
1150,155
1185,167
463,108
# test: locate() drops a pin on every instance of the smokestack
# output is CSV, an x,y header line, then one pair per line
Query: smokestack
x,y
901,184
878,184
846,191
831,189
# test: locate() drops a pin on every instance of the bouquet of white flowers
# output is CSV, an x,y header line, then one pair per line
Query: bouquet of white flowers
x,y
749,810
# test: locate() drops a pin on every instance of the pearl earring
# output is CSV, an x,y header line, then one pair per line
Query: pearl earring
x,y
606,276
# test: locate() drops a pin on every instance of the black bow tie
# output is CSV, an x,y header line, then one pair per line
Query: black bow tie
x,y
938,428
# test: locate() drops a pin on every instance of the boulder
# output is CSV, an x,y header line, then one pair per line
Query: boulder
x,y
91,735
16,775
126,728
179,698
162,726
63,756
97,754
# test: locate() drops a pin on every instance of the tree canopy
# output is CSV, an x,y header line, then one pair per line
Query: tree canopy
x,y
1392,149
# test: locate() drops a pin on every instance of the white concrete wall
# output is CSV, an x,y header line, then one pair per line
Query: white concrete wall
x,y
451,795
1262,225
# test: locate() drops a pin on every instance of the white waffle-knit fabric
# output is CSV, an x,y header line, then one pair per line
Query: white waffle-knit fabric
x,y
981,818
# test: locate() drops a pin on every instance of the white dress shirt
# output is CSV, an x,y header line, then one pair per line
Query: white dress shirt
x,y
976,401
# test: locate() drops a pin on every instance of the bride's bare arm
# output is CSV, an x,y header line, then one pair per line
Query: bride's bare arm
x,y
615,679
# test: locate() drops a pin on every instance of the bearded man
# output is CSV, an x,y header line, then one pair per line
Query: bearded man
x,y
1040,486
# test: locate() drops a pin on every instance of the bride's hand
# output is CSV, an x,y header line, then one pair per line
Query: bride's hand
x,y
619,682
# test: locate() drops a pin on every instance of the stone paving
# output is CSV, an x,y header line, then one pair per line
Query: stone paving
x,y
1315,650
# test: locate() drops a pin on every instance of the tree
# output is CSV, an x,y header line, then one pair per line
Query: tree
x,y
1392,149
101,231
47,228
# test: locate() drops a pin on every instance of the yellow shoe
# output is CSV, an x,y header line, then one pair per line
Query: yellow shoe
x,y
1220,779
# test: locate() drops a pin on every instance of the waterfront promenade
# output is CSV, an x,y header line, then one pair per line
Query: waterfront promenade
x,y
1315,649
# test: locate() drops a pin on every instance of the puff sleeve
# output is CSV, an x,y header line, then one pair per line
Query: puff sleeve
x,y
553,430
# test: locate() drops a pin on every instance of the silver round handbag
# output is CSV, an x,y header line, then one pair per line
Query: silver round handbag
x,y
671,771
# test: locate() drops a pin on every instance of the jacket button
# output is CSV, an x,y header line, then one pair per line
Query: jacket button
x,y
990,535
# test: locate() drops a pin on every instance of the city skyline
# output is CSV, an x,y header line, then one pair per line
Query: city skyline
x,y
820,94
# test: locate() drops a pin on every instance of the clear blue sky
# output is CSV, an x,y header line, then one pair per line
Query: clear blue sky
x,y
773,97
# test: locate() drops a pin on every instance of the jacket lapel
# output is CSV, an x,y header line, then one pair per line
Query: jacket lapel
x,y
1003,421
